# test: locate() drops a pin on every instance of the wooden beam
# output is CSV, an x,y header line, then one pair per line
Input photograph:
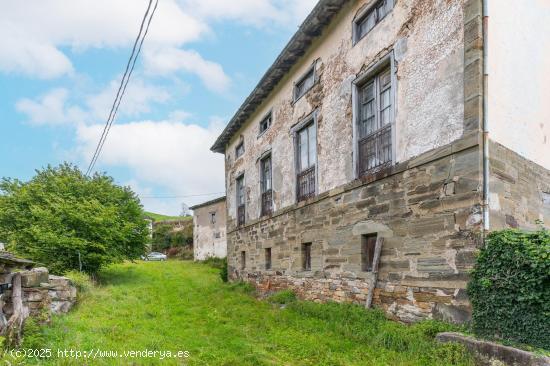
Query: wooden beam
x,y
374,276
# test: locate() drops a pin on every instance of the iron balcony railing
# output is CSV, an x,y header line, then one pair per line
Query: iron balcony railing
x,y
240,215
375,151
267,202
306,184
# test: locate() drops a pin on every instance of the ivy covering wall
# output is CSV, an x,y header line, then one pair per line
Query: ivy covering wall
x,y
510,288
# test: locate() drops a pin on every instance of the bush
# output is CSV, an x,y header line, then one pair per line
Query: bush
x,y
223,271
67,220
282,297
81,280
510,288
218,263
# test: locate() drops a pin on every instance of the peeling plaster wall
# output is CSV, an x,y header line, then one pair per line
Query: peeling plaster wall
x,y
519,77
427,39
205,242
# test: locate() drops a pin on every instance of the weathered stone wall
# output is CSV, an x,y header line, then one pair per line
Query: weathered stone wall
x,y
43,294
426,38
427,209
519,190
209,239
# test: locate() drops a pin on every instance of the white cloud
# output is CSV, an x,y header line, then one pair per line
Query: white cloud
x,y
50,109
259,13
54,108
137,99
170,154
33,31
169,60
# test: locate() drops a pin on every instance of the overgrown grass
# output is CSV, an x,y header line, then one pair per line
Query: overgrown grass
x,y
185,306
161,217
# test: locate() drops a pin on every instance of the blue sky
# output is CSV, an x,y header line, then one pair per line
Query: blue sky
x,y
61,64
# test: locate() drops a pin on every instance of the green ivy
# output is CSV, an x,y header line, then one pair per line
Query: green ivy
x,y
510,288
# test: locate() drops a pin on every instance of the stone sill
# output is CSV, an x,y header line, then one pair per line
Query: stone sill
x,y
467,141
487,352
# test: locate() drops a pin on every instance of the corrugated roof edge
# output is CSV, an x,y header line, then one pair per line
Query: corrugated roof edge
x,y
208,203
311,28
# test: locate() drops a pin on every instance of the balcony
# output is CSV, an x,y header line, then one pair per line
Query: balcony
x,y
375,151
306,184
240,215
267,202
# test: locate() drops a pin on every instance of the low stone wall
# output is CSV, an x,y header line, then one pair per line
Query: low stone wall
x,y
43,294
428,210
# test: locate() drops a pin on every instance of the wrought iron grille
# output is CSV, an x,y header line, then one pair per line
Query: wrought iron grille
x,y
240,215
306,184
267,202
375,151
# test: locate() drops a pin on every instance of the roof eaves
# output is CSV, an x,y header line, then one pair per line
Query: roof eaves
x,y
311,28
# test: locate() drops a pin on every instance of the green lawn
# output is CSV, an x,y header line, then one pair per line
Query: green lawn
x,y
174,305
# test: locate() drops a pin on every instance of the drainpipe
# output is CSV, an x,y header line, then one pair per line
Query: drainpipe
x,y
485,122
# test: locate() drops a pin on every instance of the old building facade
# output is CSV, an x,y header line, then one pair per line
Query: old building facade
x,y
209,229
373,123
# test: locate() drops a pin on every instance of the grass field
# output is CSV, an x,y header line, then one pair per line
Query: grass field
x,y
160,217
183,306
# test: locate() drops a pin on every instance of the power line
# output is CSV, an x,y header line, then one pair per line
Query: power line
x,y
123,84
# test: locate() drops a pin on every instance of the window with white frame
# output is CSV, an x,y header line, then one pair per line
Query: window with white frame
x,y
372,16
374,122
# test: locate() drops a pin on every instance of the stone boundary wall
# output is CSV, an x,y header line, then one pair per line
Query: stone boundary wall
x,y
43,294
519,190
428,210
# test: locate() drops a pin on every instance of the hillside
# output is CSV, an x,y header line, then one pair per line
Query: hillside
x,y
160,217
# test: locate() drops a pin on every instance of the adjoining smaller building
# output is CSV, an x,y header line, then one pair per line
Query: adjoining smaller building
x,y
209,239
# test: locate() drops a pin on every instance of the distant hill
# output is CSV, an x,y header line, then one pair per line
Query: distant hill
x,y
160,217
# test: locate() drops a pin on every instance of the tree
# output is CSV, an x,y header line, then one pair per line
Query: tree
x,y
64,219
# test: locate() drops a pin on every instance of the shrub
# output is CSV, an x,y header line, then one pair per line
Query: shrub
x,y
65,220
282,297
510,288
223,271
81,280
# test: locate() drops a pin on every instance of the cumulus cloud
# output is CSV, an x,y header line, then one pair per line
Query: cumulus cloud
x,y
171,154
169,60
259,13
35,31
138,98
55,108
50,108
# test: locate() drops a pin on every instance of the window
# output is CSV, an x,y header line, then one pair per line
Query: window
x,y
243,260
217,235
267,258
306,257
304,84
375,119
240,201
267,191
306,146
265,123
370,18
212,218
368,244
239,150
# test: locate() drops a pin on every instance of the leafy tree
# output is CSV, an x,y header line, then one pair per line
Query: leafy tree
x,y
62,218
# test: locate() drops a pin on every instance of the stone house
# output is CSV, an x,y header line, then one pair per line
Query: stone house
x,y
405,120
209,225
